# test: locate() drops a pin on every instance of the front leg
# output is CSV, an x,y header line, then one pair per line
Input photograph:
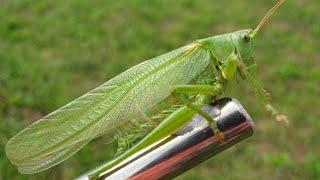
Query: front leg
x,y
208,92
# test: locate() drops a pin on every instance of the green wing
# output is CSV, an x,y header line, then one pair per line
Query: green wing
x,y
62,133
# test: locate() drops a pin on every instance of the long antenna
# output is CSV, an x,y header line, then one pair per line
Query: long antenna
x,y
267,16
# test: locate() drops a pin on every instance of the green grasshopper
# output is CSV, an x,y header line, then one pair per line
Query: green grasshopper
x,y
144,104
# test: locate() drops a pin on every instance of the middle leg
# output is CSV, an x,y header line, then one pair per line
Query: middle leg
x,y
205,95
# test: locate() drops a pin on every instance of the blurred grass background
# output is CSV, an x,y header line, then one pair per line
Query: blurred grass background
x,y
51,52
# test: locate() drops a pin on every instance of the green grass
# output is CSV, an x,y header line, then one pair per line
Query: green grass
x,y
51,52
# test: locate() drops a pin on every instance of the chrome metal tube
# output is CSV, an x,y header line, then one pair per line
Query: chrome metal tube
x,y
189,147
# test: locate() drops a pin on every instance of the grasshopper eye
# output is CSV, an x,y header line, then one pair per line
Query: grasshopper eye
x,y
245,37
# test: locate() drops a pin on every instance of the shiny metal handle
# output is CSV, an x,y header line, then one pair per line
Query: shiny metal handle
x,y
189,147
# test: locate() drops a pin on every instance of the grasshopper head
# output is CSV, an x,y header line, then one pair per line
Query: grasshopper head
x,y
234,51
243,42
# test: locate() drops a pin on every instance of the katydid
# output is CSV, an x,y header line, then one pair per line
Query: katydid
x,y
144,104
